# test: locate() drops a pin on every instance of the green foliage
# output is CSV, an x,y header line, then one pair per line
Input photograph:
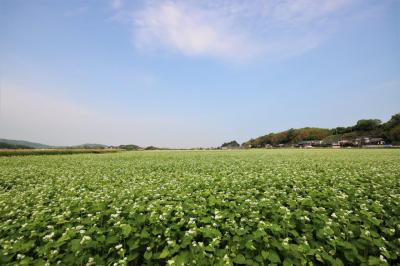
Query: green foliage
x,y
393,122
250,207
342,130
367,124
392,129
129,147
231,144
290,136
394,134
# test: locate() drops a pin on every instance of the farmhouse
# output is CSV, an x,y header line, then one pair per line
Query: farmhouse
x,y
361,141
345,143
376,141
310,143
335,145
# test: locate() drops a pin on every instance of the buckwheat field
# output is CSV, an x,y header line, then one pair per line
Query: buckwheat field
x,y
253,207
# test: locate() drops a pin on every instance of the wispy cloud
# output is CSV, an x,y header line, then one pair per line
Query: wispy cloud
x,y
299,12
234,29
190,30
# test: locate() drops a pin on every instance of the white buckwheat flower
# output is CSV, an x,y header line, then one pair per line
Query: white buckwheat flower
x,y
85,238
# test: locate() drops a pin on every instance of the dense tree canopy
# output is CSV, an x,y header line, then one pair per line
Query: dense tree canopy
x,y
367,124
231,144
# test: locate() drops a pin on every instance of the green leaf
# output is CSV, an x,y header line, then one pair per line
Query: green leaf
x,y
287,262
274,257
374,261
39,262
182,258
126,229
164,253
133,244
75,245
112,240
319,258
144,234
147,255
240,259
249,245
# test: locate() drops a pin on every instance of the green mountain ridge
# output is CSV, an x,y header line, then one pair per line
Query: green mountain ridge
x,y
22,144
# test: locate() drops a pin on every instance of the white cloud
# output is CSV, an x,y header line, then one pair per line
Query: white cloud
x,y
235,29
189,30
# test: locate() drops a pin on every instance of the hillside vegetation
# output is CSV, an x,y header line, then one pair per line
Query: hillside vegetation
x,y
389,132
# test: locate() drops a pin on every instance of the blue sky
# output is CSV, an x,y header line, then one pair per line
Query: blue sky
x,y
193,73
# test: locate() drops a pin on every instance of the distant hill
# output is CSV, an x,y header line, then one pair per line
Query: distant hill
x,y
4,145
21,144
373,128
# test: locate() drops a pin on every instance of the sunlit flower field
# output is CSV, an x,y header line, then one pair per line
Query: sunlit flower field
x,y
253,207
